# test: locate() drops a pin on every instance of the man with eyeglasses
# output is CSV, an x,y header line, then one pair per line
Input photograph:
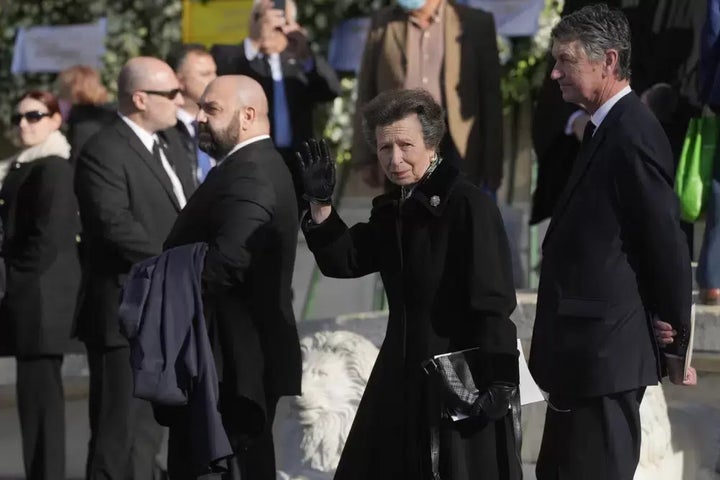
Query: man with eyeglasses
x,y
131,184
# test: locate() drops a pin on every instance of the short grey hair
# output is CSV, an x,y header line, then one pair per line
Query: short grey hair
x,y
598,28
393,105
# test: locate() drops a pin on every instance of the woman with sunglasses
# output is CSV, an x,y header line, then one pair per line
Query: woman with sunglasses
x,y
39,213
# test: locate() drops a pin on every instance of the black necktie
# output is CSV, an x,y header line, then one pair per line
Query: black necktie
x,y
157,147
587,134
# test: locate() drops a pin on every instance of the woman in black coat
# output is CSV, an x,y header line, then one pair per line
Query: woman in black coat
x,y
441,249
39,215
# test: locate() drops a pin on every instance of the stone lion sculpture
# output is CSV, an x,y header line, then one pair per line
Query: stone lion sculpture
x,y
336,368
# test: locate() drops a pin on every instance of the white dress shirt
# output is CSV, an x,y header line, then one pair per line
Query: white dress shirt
x,y
148,139
600,114
274,59
242,144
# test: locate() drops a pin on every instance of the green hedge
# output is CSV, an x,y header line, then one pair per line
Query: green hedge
x,y
150,27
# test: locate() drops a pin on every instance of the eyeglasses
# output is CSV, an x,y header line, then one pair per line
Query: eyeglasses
x,y
31,117
169,94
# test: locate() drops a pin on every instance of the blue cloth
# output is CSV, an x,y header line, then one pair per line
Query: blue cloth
x,y
708,269
204,164
281,116
161,314
710,56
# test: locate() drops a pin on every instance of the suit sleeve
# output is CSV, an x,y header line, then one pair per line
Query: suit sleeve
x,y
491,108
101,187
53,212
324,85
366,91
239,215
343,252
644,183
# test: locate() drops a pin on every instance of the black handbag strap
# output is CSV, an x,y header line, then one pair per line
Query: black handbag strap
x,y
435,451
516,409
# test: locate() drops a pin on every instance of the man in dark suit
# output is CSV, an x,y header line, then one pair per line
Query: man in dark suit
x,y
130,187
246,212
451,51
665,50
614,259
295,79
195,69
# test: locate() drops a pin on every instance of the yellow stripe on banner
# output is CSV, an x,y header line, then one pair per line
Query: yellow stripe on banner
x,y
215,21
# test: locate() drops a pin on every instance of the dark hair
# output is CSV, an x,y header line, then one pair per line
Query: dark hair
x,y
598,28
178,54
394,105
44,97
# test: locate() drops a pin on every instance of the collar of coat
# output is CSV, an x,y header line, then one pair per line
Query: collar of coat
x,y
431,195
55,145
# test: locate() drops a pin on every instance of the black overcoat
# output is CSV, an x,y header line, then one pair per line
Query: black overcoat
x,y
445,262
40,217
245,211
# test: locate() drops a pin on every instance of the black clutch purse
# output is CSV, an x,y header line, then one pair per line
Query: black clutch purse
x,y
462,398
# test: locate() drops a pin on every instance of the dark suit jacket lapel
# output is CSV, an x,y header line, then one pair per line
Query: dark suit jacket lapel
x,y
142,152
585,159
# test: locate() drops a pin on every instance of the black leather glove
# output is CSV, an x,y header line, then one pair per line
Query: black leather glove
x,y
317,170
494,402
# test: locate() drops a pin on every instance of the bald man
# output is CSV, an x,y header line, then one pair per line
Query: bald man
x,y
247,213
131,184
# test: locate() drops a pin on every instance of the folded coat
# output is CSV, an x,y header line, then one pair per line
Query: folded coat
x,y
161,314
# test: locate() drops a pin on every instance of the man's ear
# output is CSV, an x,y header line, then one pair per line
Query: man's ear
x,y
139,100
247,117
611,61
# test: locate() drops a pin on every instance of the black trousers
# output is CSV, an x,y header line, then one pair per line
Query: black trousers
x,y
597,439
124,436
254,457
41,407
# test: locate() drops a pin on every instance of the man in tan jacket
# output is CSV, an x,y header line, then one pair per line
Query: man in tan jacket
x,y
451,51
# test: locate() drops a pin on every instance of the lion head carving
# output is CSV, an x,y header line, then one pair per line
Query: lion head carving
x,y
336,368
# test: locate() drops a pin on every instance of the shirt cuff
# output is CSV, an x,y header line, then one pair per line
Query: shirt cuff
x,y
571,120
250,51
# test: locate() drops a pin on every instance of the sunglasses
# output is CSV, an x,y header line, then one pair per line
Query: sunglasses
x,y
169,94
31,117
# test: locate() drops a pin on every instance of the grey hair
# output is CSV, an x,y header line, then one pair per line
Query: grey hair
x,y
391,106
598,28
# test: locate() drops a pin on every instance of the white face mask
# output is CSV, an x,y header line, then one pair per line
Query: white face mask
x,y
410,5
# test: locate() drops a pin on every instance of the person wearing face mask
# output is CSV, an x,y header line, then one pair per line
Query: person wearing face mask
x,y
451,51
39,215
440,246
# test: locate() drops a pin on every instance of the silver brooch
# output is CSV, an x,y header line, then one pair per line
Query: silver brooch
x,y
434,201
